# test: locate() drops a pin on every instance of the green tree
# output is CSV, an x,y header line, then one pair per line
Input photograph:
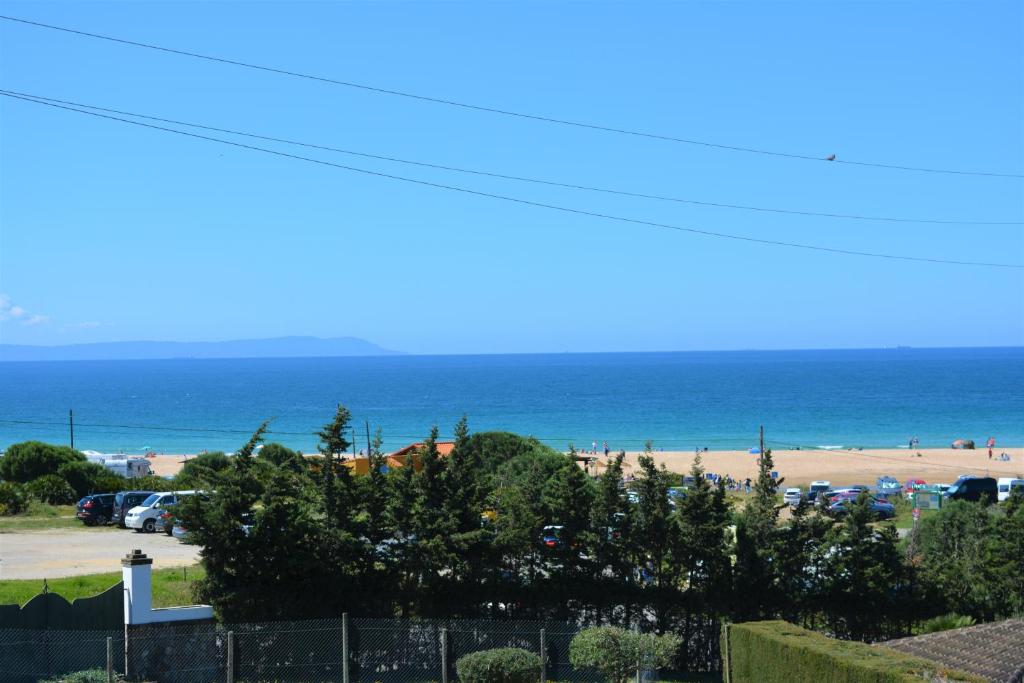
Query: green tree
x,y
800,551
90,477
282,457
865,578
954,547
703,550
30,460
200,471
335,479
756,571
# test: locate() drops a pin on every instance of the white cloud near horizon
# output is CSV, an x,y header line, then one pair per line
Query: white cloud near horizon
x,y
11,311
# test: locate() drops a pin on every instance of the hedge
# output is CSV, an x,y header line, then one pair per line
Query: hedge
x,y
502,665
779,652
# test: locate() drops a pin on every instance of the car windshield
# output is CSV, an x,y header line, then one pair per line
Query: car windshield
x,y
819,487
150,501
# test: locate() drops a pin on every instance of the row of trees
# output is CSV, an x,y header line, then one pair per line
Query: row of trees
x,y
292,537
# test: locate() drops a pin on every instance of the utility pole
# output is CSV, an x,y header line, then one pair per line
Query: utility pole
x,y
368,447
71,427
761,454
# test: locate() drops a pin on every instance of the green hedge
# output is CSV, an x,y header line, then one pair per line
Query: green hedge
x,y
779,652
502,665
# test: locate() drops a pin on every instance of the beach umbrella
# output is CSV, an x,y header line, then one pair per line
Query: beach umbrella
x,y
755,451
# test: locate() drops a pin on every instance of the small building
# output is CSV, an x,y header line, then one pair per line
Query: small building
x,y
398,459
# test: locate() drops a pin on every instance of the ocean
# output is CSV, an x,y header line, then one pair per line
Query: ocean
x,y
679,401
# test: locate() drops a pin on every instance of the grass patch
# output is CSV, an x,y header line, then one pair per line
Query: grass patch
x,y
41,516
172,587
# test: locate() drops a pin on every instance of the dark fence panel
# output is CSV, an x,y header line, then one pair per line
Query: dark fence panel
x,y
28,655
53,611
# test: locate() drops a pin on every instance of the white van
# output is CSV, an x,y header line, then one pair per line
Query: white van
x,y
143,516
818,488
1007,485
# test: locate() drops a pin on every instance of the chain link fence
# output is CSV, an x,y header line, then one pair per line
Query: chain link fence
x,y
339,650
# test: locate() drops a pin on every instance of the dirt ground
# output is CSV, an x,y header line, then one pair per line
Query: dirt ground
x,y
53,553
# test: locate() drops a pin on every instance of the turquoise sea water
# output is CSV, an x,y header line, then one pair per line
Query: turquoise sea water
x,y
865,398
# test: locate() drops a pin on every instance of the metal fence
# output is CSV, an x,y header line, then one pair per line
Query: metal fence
x,y
343,650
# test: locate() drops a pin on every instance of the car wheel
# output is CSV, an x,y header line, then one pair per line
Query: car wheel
x,y
149,526
100,520
168,529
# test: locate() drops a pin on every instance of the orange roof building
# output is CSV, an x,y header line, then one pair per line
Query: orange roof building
x,y
398,458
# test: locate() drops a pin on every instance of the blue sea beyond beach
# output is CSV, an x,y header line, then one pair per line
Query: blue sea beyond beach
x,y
855,398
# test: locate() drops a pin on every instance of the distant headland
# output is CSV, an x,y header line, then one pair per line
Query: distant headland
x,y
277,347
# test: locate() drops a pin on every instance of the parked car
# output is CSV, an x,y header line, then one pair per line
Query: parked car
x,y
165,522
551,536
888,486
95,510
1007,486
143,517
179,532
793,496
816,488
883,509
973,489
125,501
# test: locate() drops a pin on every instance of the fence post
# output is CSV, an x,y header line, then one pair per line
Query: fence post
x,y
444,655
543,657
110,660
231,657
726,654
344,648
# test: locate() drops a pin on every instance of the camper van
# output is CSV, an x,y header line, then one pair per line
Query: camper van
x,y
128,467
1007,485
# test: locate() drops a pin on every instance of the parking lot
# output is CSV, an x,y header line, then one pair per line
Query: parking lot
x,y
53,553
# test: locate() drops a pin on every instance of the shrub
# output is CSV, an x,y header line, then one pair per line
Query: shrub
x,y
90,676
779,652
199,470
52,489
89,477
945,623
30,460
618,653
503,665
14,499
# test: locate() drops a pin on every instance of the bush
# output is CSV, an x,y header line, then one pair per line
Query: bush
x,y
52,489
200,470
14,499
945,622
33,459
503,665
618,653
779,652
90,676
90,477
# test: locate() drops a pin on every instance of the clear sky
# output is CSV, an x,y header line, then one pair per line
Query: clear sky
x,y
113,232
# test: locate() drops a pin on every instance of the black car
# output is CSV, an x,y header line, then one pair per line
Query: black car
x,y
973,489
96,510
125,501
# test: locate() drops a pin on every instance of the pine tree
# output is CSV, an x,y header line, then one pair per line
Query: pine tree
x,y
702,551
335,479
756,593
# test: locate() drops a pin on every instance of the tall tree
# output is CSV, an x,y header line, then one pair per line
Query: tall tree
x,y
756,594
335,479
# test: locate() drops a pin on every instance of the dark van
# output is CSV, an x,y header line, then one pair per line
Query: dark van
x,y
95,510
973,489
125,501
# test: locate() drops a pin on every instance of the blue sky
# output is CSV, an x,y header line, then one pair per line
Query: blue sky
x,y
112,232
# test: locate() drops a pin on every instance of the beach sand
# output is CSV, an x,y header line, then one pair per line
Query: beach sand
x,y
841,467
847,467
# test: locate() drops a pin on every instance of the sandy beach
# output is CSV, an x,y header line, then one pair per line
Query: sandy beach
x,y
803,466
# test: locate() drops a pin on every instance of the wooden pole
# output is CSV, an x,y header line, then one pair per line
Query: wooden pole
x,y
344,648
543,657
231,657
71,426
110,660
444,655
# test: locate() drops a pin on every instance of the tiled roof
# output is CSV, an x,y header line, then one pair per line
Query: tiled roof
x,y
994,651
443,448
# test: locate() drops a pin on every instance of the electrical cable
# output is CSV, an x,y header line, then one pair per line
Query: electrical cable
x,y
525,202
503,176
503,112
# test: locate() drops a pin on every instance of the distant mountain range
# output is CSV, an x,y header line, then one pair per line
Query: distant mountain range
x,y
278,347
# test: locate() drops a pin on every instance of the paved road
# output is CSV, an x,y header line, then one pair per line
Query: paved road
x,y
53,553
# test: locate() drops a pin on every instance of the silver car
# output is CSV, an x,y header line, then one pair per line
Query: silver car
x,y
792,496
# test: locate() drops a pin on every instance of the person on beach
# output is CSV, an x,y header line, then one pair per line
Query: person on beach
x,y
606,449
991,444
593,447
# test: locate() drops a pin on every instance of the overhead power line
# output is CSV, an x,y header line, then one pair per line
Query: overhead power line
x,y
526,202
503,112
524,179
